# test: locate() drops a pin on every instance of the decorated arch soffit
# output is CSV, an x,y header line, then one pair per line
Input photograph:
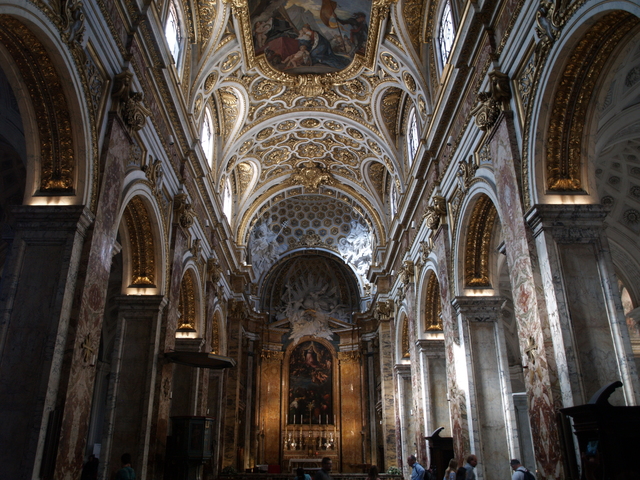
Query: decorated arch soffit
x,y
291,41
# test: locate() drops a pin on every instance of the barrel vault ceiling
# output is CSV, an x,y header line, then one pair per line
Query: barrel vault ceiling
x,y
287,135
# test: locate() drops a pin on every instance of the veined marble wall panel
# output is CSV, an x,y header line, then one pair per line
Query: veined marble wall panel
x,y
491,410
438,398
533,328
595,347
408,417
270,409
456,393
77,408
389,430
351,413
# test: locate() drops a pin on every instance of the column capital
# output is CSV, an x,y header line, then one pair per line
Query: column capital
x,y
403,369
433,348
568,223
481,308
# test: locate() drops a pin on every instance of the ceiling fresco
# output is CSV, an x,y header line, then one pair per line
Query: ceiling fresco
x,y
309,36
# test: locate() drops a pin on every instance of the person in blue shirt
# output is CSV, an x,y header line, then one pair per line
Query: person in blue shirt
x,y
418,470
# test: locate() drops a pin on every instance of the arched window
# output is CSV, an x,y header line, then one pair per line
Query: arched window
x,y
206,136
446,32
226,200
412,135
173,32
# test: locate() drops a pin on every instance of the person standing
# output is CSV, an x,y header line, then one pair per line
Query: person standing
x,y
470,466
126,472
450,473
324,472
519,471
300,475
418,470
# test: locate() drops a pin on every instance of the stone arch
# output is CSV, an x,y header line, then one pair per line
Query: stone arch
x,y
478,242
432,320
144,248
189,304
562,114
60,145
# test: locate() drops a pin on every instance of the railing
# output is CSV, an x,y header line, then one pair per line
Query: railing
x,y
291,476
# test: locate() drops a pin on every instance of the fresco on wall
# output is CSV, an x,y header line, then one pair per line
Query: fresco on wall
x,y
310,384
309,36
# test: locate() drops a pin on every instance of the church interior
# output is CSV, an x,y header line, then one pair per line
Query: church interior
x,y
242,235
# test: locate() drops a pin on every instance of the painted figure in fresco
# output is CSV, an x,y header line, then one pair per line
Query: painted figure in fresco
x,y
301,57
310,385
359,30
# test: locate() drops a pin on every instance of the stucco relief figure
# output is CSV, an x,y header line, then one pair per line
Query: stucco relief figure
x,y
310,384
264,250
309,304
355,248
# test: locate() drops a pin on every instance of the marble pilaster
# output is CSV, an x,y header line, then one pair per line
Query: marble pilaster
x,y
585,311
419,432
131,394
389,428
455,387
406,413
44,258
493,432
232,402
164,379
433,376
79,381
529,304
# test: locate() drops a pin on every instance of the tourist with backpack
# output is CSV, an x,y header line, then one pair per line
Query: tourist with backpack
x,y
520,472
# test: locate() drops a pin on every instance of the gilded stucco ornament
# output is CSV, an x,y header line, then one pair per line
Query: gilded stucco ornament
x,y
434,212
466,173
214,270
128,103
311,176
493,102
384,310
72,21
184,210
406,272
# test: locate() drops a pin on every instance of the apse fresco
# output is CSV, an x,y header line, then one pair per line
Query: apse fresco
x,y
309,36
310,385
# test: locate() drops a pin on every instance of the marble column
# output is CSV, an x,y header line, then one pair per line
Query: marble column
x,y
389,429
588,326
36,294
433,372
130,399
493,432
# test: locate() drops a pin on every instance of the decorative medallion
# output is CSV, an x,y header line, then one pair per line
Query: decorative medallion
x,y
390,62
409,82
288,125
230,62
210,82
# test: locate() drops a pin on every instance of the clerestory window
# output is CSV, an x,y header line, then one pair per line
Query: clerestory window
x,y
446,33
173,32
